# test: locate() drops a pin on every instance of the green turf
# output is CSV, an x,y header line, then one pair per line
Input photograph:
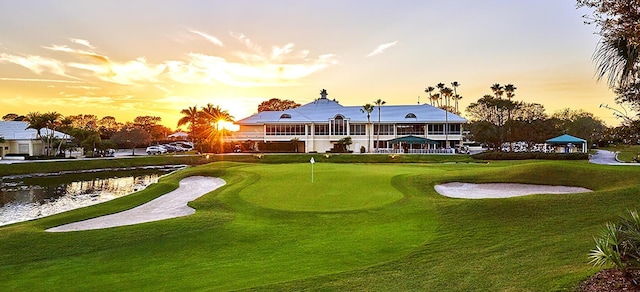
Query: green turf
x,y
626,153
371,227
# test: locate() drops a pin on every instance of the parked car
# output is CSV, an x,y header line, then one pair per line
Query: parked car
x,y
171,148
153,150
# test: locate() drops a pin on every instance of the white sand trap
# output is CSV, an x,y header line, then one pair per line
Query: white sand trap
x,y
501,190
170,205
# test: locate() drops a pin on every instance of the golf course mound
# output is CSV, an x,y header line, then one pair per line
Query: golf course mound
x,y
332,190
501,190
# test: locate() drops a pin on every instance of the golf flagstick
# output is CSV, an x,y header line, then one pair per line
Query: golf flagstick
x,y
312,162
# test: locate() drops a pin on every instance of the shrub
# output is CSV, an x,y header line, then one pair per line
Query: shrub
x,y
619,244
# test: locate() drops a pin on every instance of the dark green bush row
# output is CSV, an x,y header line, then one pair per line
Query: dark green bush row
x,y
529,155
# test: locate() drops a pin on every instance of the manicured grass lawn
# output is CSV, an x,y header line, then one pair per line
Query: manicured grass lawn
x,y
357,227
626,153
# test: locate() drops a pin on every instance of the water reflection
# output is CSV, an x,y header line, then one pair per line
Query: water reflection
x,y
23,199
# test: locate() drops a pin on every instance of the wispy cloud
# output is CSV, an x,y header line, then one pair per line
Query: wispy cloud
x,y
250,66
90,54
85,43
210,38
38,80
36,64
381,48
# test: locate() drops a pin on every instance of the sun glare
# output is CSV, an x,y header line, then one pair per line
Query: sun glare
x,y
229,126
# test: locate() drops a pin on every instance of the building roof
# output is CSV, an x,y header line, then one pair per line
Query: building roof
x,y
565,139
323,109
11,130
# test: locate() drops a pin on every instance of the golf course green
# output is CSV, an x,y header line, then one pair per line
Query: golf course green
x,y
357,226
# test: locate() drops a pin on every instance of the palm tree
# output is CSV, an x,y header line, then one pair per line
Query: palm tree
x,y
46,121
379,104
447,93
428,90
435,99
497,90
509,89
190,117
211,117
215,114
368,108
456,98
619,59
455,85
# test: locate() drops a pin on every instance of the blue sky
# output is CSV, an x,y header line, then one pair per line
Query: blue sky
x,y
131,58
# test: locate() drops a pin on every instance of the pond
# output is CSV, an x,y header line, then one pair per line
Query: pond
x,y
27,197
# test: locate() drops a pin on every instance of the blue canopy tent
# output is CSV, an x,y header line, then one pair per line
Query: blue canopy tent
x,y
569,142
412,140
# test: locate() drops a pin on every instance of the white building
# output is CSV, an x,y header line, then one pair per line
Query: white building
x,y
319,125
20,140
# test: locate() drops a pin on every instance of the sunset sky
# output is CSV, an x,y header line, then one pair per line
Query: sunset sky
x,y
134,58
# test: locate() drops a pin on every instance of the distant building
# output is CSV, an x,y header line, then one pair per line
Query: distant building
x,y
317,126
20,140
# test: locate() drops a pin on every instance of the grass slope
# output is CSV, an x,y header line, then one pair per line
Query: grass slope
x,y
382,227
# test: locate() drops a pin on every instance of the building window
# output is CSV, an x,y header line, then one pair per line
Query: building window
x,y
438,129
410,116
383,129
285,130
435,129
321,129
410,129
339,126
455,129
357,129
285,116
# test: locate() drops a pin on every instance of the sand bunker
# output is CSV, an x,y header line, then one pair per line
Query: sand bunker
x,y
501,190
171,205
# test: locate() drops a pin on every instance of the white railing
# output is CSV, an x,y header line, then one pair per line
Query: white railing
x,y
415,151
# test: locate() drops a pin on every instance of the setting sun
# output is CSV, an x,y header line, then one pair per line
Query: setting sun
x,y
227,126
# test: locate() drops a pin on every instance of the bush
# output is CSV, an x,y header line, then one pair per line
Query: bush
x,y
529,155
619,244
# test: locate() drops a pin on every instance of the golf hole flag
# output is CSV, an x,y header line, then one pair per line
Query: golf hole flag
x,y
312,162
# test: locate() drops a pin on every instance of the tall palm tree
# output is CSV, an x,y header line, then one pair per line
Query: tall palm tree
x,y
190,117
379,103
456,98
447,93
455,85
368,108
215,114
435,100
509,89
429,90
497,90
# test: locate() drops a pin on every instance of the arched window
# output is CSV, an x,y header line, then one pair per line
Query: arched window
x,y
410,116
285,116
339,125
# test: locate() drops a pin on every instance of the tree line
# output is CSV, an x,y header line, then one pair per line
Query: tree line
x,y
495,120
90,133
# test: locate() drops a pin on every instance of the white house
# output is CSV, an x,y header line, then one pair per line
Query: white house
x,y
320,124
20,140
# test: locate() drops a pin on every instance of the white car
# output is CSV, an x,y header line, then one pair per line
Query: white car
x,y
153,150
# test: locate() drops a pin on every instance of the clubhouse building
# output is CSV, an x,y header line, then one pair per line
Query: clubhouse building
x,y
319,125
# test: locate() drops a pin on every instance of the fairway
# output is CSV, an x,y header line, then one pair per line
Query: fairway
x,y
356,227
